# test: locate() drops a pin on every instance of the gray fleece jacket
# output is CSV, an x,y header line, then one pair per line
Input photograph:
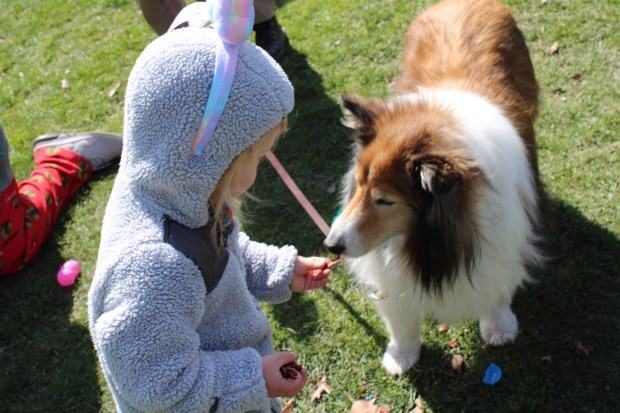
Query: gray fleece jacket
x,y
176,327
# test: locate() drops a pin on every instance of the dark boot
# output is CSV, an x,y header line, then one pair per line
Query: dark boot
x,y
271,38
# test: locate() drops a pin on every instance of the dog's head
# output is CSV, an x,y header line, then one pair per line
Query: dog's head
x,y
411,177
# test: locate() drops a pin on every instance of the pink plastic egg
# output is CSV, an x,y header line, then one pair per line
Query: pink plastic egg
x,y
68,273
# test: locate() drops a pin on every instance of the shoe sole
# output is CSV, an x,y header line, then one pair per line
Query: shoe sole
x,y
72,138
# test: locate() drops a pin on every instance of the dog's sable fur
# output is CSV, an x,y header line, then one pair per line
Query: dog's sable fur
x,y
441,204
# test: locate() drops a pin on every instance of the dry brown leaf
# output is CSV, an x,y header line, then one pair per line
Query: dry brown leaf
x,y
368,406
419,406
320,388
558,91
555,47
288,406
114,89
581,348
64,84
457,362
443,328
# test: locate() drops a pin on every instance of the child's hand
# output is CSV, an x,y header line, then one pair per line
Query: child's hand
x,y
310,273
278,383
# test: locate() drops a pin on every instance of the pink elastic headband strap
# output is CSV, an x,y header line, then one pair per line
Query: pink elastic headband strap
x,y
233,21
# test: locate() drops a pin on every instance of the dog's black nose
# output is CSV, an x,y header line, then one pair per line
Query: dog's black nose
x,y
336,249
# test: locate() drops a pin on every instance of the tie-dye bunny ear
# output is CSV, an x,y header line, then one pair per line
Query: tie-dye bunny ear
x,y
233,21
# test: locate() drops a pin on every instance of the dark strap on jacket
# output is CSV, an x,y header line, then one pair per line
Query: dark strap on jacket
x,y
197,245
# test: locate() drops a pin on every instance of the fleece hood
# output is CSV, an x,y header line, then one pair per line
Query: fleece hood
x,y
165,100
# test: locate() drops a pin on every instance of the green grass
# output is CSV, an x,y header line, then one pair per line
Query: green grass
x,y
47,363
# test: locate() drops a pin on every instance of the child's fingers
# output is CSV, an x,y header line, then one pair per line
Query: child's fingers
x,y
317,263
319,283
286,357
313,284
305,264
294,376
291,387
318,274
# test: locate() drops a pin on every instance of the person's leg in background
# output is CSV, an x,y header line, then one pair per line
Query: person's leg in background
x,y
159,14
29,209
269,33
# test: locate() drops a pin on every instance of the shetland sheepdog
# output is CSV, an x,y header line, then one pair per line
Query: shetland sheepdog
x,y
441,212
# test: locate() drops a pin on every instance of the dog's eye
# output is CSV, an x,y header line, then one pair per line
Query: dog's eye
x,y
383,201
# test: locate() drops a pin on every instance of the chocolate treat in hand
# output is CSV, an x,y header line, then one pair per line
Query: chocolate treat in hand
x,y
290,370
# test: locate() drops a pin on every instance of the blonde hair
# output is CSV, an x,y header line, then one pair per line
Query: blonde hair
x,y
221,196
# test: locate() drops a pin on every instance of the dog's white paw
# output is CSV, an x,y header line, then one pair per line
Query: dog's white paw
x,y
500,328
396,362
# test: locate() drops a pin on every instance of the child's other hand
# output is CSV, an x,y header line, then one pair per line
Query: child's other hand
x,y
277,384
310,273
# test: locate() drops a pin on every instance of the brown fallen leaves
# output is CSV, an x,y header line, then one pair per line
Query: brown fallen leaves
x,y
368,406
288,406
114,89
419,406
321,387
457,362
555,47
357,406
581,348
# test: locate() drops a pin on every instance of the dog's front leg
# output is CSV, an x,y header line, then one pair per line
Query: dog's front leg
x,y
403,325
500,327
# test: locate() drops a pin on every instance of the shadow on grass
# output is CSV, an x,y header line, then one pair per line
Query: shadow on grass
x,y
566,356
299,314
315,153
379,337
47,361
282,3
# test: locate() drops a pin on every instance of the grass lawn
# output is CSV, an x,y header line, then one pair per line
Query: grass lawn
x,y
64,66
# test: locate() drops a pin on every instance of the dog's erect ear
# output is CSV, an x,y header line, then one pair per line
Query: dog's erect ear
x,y
360,114
434,175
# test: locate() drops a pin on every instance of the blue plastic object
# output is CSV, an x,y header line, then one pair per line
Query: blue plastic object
x,y
492,375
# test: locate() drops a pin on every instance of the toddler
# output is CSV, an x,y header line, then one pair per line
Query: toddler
x,y
173,306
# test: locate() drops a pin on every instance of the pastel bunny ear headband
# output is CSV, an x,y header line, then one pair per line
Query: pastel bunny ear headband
x,y
232,21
